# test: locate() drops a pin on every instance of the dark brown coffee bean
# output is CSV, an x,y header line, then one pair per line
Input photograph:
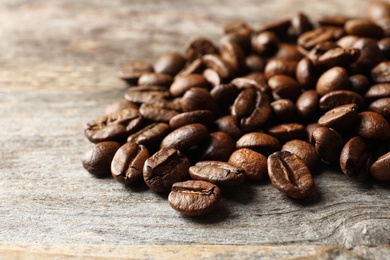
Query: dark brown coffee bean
x,y
254,63
355,159
113,127
339,118
146,94
222,174
199,99
279,66
204,117
337,57
194,198
306,74
287,132
219,65
384,46
241,36
279,27
308,105
363,28
181,84
150,135
228,124
259,142
97,160
335,78
305,151
284,110
128,162
186,136
218,147
377,10
119,105
131,72
320,49
310,128
195,67
334,20
212,77
157,113
252,109
381,72
172,104
224,95
380,169
370,54
283,86
164,168
372,126
288,51
311,38
253,163
300,23
253,80
289,174
380,90
347,41
232,53
197,47
341,97
170,63
265,43
155,79
359,83
327,143
381,106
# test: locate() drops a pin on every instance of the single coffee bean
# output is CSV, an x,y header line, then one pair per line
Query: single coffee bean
x,y
380,169
333,20
289,174
171,104
212,77
146,94
311,38
204,117
279,66
359,83
370,54
306,74
279,27
337,57
381,72
128,162
288,51
119,105
300,23
355,159
335,78
372,126
233,54
170,63
229,125
217,147
259,142
284,110
222,174
283,86
224,95
113,127
195,67
194,198
199,99
253,80
380,90
253,163
131,72
305,151
164,168
157,113
150,135
288,131
155,79
254,63
327,143
341,97
307,105
219,65
381,106
347,41
186,136
384,46
363,28
241,36
184,83
339,118
320,49
197,47
97,160
265,43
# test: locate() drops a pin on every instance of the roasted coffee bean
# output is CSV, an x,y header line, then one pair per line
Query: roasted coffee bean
x,y
305,151
384,46
320,49
279,66
381,72
259,142
164,168
359,83
240,35
335,78
327,143
254,63
199,99
172,104
372,126
150,135
217,147
279,27
347,41
204,117
232,53
265,43
131,72
283,86
128,162
363,28
119,105
308,105
288,51
341,97
253,80
370,54
381,106
287,132
186,136
251,109
146,94
155,79
113,127
184,83
337,57
339,118
380,169
229,125
197,47
334,20
157,113
194,198
284,110
290,175
311,38
306,74
212,77
380,90
224,95
310,128
219,65
300,23
222,174
170,63
195,67
97,160
355,159
253,163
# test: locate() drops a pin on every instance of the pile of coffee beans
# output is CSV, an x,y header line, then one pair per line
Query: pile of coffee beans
x,y
278,101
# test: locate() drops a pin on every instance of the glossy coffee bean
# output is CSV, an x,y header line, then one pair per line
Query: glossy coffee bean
x,y
212,77
119,105
194,198
197,47
184,137
288,131
363,28
341,97
151,135
224,95
170,63
164,168
381,72
290,175
335,78
370,54
305,151
194,67
204,117
155,79
199,99
337,57
265,43
157,113
260,142
372,126
283,86
233,54
132,71
280,66
254,63
217,147
327,143
306,74
300,23
288,51
339,118
381,106
253,163
279,27
359,83
229,125
380,90
307,105
311,38
284,110
183,83
380,169
146,94
216,62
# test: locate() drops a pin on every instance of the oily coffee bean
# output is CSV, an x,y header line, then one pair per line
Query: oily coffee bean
x,y
229,125
288,131
212,77
380,90
232,53
222,174
384,46
335,78
337,57
253,163
170,63
320,49
283,86
265,43
339,118
311,38
380,168
310,128
370,54
308,105
184,137
240,36
355,159
327,143
146,94
155,79
218,147
219,65
300,23
128,162
199,99
290,175
363,28
164,168
381,106
279,66
157,113
253,80
113,127
259,142
195,67
198,47
288,51
381,72
204,117
347,41
359,83
194,197
341,97
97,160
119,105
132,71
224,95
284,110
151,135
306,74
305,151
183,83
372,126
254,63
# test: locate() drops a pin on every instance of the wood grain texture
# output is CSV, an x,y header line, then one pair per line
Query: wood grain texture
x,y
58,70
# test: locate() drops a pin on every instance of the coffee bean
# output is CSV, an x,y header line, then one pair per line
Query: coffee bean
x,y
197,47
341,97
119,105
311,38
265,43
253,163
308,105
146,94
97,160
194,198
219,65
327,143
300,23
164,168
157,113
279,66
199,99
370,54
380,90
279,27
333,20
320,49
335,78
155,79
288,131
186,136
150,135
184,83
306,74
337,57
217,147
283,86
128,162
372,126
253,80
204,117
381,106
233,54
347,41
224,95
170,63
195,67
288,51
229,125
212,77
132,71
380,168
254,63
305,151
377,10
284,110
381,72
363,28
259,142
384,46
222,174
289,174
339,118
359,83
240,35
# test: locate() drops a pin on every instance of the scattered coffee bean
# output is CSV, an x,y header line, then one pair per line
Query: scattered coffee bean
x,y
380,169
253,163
305,151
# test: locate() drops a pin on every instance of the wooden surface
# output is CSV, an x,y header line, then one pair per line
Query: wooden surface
x,y
58,66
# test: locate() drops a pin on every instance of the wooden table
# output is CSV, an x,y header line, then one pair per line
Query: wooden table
x,y
58,66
